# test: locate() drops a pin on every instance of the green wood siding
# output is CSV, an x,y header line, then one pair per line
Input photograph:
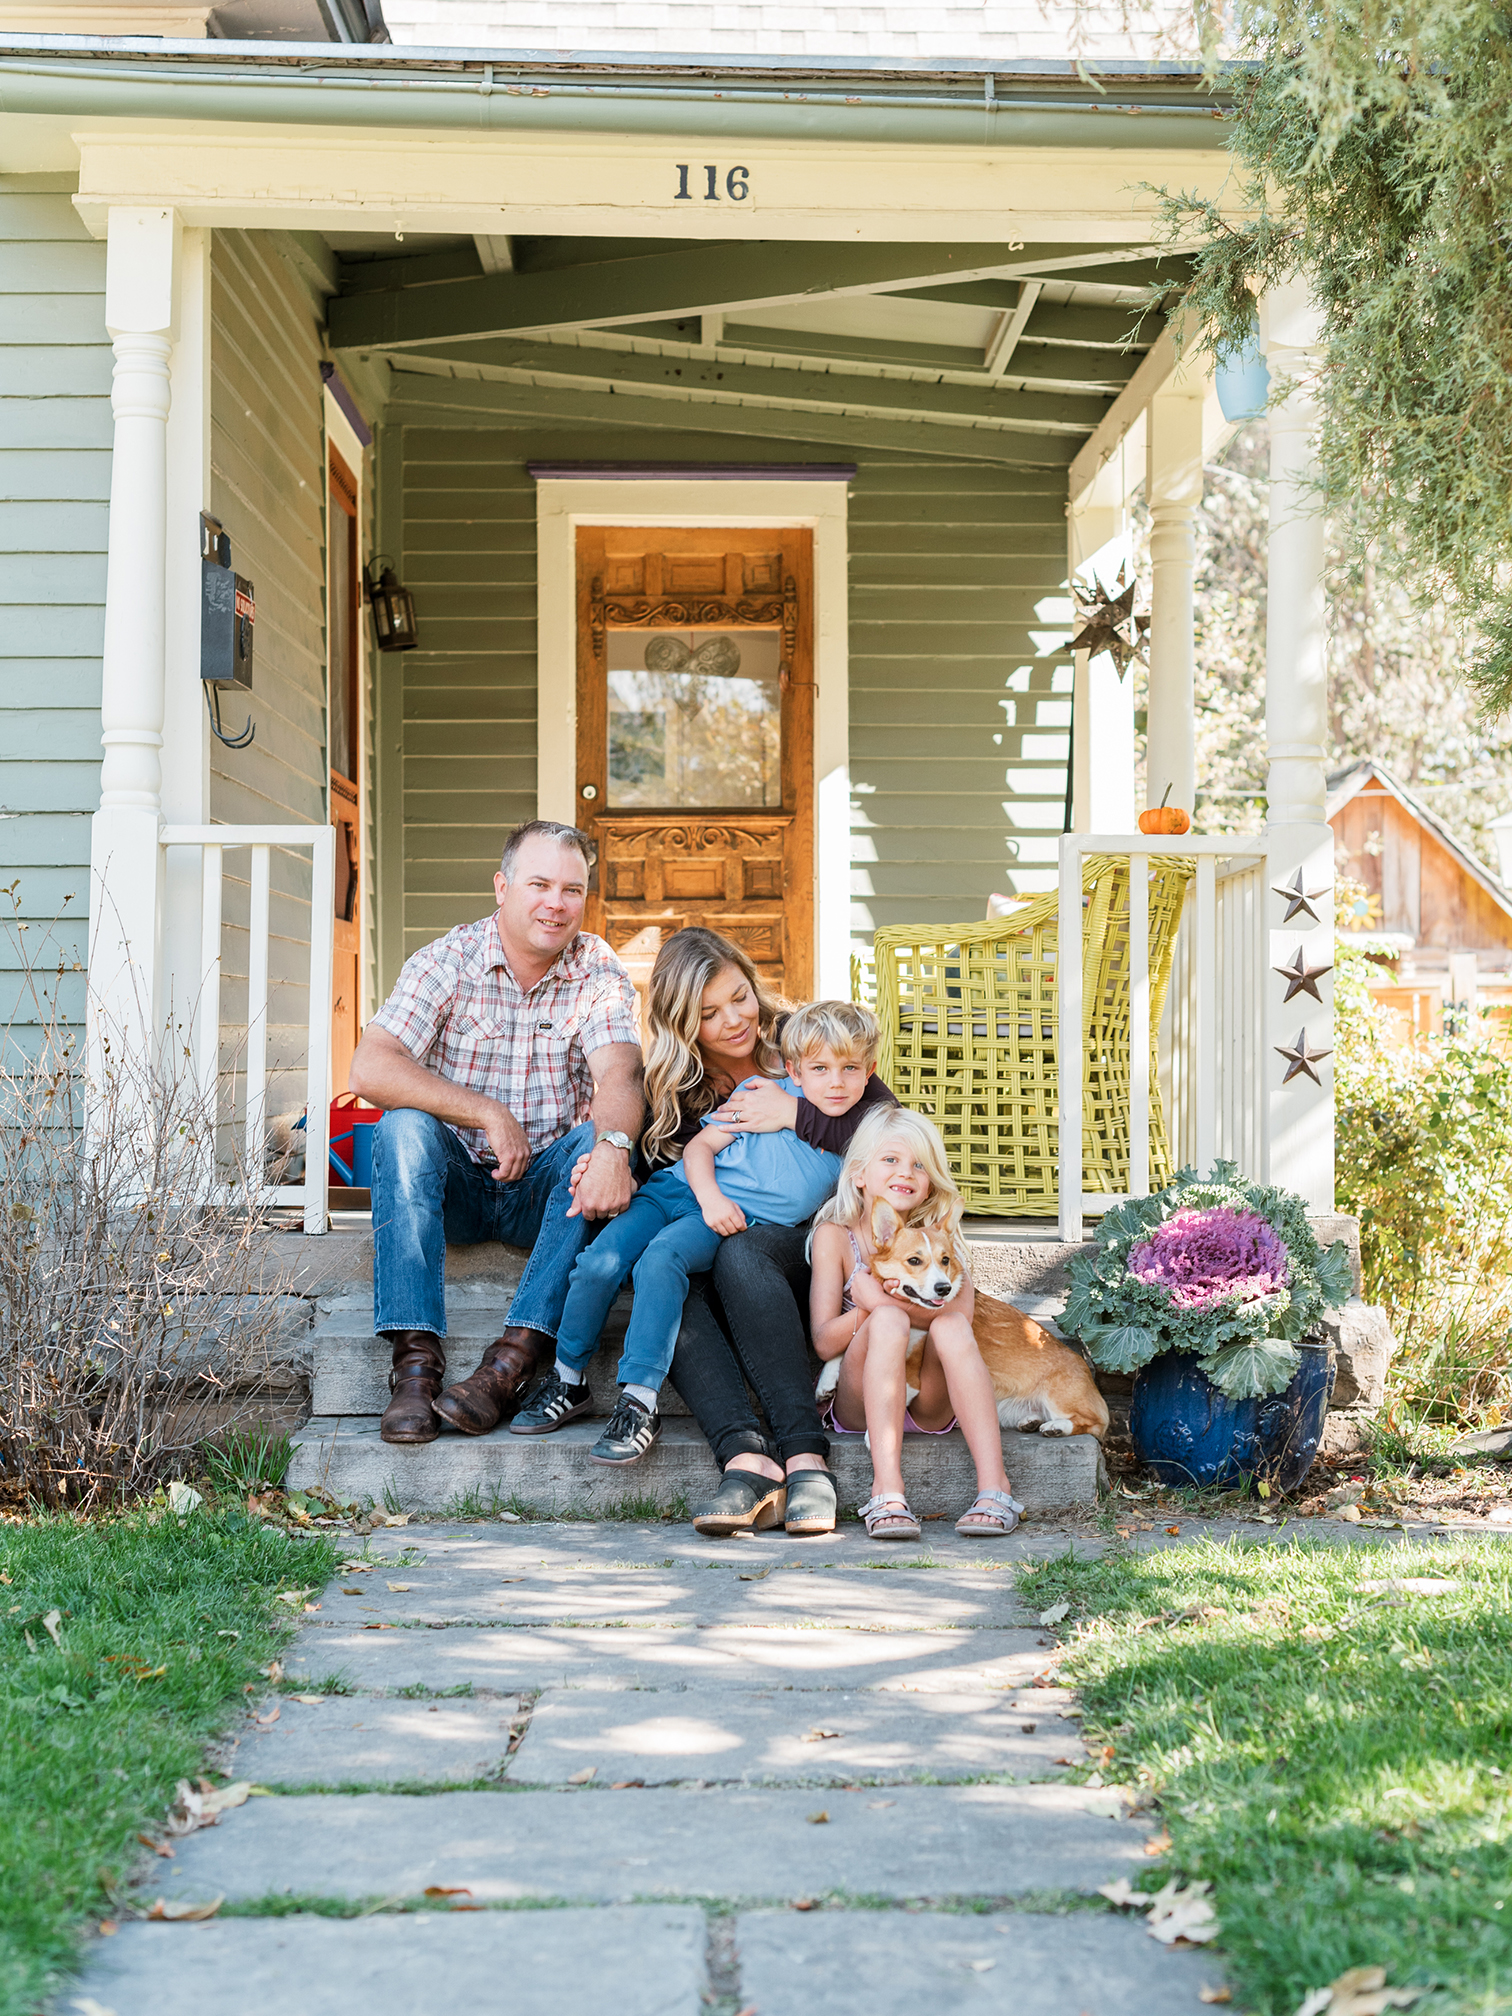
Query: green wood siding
x,y
55,435
267,487
958,726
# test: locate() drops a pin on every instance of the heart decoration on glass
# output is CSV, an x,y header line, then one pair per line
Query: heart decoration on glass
x,y
715,658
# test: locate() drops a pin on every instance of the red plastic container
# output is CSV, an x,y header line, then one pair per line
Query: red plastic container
x,y
352,1141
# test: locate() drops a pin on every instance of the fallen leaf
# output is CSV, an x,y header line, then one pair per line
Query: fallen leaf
x,y
1361,1991
182,1498
879,1805
821,1735
755,1574
447,1890
380,1627
1028,1727
818,1819
1122,1893
803,1903
293,1597
274,1670
1207,1994
358,1591
1177,1914
358,1567
193,1809
399,1588
108,1928
185,1913
1352,1514
582,1777
267,1721
157,1847
1063,1760
5,1575
1055,1613
309,1700
628,1785
1158,1843
379,1518
50,1625
1173,1529
979,1966
87,2006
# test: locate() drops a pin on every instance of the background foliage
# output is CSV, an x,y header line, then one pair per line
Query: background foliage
x,y
1371,147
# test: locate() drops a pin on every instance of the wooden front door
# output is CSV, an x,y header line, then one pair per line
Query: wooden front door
x,y
695,740
343,610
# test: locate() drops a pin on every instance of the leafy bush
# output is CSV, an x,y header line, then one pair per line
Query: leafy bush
x,y
1424,1159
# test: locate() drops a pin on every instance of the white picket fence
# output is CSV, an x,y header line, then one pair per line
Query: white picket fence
x,y
1212,1031
313,1194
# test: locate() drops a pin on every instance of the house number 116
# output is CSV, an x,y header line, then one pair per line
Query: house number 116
x,y
736,184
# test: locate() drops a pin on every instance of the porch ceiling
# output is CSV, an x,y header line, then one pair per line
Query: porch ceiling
x,y
1003,352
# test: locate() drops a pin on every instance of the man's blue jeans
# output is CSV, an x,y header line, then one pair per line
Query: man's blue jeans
x,y
427,1190
659,1241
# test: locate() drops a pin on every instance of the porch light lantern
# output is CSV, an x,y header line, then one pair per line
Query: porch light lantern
x,y
392,605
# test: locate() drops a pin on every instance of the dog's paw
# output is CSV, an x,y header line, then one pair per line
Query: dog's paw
x,y
829,1379
1057,1428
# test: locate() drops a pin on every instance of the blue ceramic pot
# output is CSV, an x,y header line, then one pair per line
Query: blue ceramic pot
x,y
1186,1432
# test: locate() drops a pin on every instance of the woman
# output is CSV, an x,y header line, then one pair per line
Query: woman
x,y
712,1028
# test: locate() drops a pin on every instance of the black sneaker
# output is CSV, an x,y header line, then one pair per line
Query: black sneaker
x,y
552,1405
631,1431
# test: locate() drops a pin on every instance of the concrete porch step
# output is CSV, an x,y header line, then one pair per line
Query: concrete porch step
x,y
553,1473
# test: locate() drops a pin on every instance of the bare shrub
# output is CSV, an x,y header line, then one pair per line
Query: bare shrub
x,y
139,1296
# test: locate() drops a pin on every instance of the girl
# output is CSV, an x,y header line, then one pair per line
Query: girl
x,y
897,1159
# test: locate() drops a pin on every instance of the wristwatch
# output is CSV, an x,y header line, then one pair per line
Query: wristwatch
x,y
615,1139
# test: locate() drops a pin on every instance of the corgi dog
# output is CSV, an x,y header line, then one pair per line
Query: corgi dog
x,y
1038,1380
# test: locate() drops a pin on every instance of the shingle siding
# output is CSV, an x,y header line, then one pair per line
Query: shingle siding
x,y
55,435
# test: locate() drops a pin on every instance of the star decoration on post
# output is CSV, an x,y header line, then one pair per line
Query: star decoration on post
x,y
1300,1059
1298,897
1301,978
1109,622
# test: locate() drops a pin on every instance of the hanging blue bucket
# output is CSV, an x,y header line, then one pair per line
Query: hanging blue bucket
x,y
1186,1432
1242,381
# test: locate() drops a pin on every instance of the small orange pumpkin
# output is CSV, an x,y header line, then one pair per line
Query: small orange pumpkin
x,y
1163,818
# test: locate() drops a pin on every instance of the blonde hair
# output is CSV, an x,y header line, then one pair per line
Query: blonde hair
x,y
842,1026
944,1204
676,1084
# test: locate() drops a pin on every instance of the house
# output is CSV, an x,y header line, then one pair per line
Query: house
x,y
1440,923
733,397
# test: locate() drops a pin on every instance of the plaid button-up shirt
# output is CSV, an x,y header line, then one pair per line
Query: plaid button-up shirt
x,y
459,1010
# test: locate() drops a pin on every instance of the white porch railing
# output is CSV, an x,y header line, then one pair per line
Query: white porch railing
x,y
1213,1030
314,1192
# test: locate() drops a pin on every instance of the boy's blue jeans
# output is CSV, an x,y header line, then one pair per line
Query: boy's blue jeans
x,y
427,1190
659,1242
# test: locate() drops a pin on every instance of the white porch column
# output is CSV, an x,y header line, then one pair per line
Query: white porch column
x,y
186,733
1299,843
140,288
1102,704
1173,491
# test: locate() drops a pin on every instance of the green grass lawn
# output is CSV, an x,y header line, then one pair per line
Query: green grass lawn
x,y
1337,1761
92,1735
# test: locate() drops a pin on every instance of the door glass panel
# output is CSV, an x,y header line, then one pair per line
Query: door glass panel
x,y
695,718
342,642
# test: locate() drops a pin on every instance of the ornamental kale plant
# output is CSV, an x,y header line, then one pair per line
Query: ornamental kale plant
x,y
1219,1267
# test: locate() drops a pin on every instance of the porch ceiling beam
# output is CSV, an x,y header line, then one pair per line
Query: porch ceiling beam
x,y
693,280
1010,326
1062,321
419,397
834,391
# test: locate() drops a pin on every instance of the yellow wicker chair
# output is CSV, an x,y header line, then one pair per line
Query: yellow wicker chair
x,y
970,1037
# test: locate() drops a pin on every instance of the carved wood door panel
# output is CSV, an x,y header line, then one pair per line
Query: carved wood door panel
x,y
695,740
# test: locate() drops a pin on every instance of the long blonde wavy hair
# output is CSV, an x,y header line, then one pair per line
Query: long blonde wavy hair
x,y
676,1083
943,1206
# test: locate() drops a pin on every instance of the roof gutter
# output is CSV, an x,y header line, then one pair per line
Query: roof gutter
x,y
85,77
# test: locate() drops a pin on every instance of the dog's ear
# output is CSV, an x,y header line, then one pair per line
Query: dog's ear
x,y
885,1222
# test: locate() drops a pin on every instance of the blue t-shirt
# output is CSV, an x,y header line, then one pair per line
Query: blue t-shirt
x,y
776,1179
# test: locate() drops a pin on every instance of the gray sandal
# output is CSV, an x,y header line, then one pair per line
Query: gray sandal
x,y
745,1502
997,1514
888,1518
811,1502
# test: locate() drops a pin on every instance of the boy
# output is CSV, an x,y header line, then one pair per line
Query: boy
x,y
673,1227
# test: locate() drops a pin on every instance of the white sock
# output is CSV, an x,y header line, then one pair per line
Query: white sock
x,y
569,1374
646,1395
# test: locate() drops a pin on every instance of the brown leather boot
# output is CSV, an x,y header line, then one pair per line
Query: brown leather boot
x,y
417,1375
480,1401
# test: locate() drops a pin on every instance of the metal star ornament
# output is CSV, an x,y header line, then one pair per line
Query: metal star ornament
x,y
1109,622
1298,898
1300,1059
1301,978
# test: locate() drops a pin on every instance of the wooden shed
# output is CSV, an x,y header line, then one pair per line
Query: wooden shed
x,y
1441,923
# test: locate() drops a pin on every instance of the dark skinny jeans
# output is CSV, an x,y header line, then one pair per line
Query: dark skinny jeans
x,y
744,1322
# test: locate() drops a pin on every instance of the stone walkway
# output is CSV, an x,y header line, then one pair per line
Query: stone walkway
x,y
631,1769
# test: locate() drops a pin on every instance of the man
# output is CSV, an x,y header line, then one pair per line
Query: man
x,y
507,1050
